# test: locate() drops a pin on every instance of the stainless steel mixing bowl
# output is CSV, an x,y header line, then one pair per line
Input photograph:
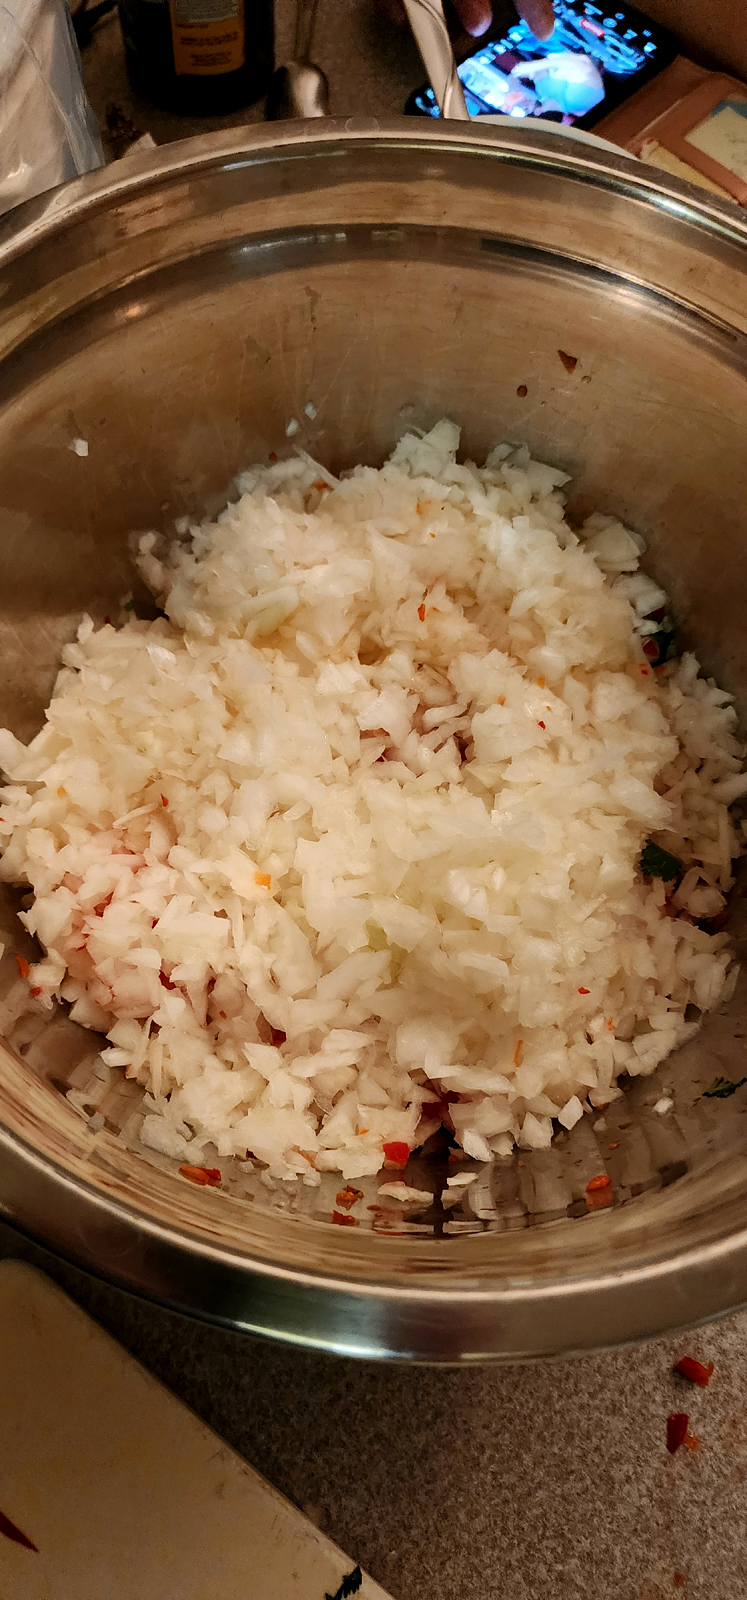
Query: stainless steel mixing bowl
x,y
176,318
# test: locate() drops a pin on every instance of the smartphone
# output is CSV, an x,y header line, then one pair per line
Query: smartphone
x,y
595,59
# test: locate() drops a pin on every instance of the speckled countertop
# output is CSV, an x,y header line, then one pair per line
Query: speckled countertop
x,y
549,1482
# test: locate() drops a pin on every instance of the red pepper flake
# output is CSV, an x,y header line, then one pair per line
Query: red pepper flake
x,y
584,991
347,1197
224,1015
320,484
690,1442
262,880
615,1145
517,1051
343,1221
421,612
677,1426
569,362
23,966
397,1153
694,1371
35,992
679,1579
522,391
272,456
164,800
12,1532
208,1177
540,724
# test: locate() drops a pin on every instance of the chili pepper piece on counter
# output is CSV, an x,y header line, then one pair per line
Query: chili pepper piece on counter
x,y
677,1426
694,1371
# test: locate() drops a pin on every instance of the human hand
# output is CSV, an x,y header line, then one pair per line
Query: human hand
x,y
477,15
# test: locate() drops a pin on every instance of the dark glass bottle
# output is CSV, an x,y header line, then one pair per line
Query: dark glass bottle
x,y
199,57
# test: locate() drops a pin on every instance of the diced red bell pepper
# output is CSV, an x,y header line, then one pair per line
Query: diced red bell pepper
x,y
397,1153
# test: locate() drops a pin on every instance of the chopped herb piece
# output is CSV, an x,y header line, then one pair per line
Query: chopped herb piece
x,y
658,863
350,1585
677,1426
722,1089
694,1371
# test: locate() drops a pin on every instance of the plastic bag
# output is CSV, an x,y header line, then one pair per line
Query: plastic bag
x,y
48,133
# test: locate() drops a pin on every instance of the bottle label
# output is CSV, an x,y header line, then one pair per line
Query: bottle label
x,y
208,36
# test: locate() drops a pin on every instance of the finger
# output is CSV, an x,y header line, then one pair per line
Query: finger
x,y
539,15
475,15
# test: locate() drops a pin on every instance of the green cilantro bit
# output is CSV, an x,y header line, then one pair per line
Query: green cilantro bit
x,y
658,863
350,1585
722,1089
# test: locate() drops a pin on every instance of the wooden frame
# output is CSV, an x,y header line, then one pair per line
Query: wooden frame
x,y
672,128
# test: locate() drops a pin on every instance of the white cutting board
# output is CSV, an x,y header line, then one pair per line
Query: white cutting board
x,y
125,1493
